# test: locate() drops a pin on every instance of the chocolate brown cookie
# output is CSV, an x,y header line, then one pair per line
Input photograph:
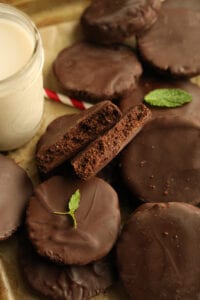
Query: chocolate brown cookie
x,y
158,252
100,152
98,220
94,73
15,190
151,82
112,21
68,134
66,282
172,44
162,163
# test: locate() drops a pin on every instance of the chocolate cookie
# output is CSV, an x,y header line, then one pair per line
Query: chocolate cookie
x,y
66,282
162,163
94,73
158,252
172,44
151,82
16,188
100,152
68,134
112,21
98,220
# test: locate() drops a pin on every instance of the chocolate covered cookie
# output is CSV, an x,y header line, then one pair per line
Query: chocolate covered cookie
x,y
66,282
162,163
151,82
97,217
68,134
95,73
112,21
172,44
158,252
15,190
100,152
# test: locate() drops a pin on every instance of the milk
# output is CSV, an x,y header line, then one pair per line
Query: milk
x,y
21,84
16,48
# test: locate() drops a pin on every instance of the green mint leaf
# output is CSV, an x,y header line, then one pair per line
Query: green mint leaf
x,y
167,97
74,219
73,206
74,201
61,213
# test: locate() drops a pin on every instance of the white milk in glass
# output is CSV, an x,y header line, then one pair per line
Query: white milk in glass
x,y
21,84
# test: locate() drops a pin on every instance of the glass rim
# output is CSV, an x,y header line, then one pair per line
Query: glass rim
x,y
11,13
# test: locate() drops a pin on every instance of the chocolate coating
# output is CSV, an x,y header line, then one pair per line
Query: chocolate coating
x,y
172,44
98,220
114,20
16,188
162,163
151,82
158,252
94,73
67,135
66,282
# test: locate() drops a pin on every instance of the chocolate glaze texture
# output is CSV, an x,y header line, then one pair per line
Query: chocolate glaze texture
x,y
16,188
98,220
158,252
162,163
172,44
66,282
112,21
95,73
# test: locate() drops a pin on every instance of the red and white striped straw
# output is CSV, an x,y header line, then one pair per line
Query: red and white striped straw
x,y
66,100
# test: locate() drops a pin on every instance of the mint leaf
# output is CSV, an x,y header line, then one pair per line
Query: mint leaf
x,y
73,206
74,201
73,218
167,97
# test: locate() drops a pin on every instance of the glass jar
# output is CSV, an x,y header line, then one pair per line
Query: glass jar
x,y
21,86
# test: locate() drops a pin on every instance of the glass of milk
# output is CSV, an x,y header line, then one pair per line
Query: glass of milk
x,y
21,83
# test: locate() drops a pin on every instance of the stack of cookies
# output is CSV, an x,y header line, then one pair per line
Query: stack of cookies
x,y
76,244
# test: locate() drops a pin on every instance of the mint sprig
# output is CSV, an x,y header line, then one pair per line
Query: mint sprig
x,y
167,97
73,206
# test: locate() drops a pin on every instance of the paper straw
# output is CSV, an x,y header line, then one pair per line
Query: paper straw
x,y
66,100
